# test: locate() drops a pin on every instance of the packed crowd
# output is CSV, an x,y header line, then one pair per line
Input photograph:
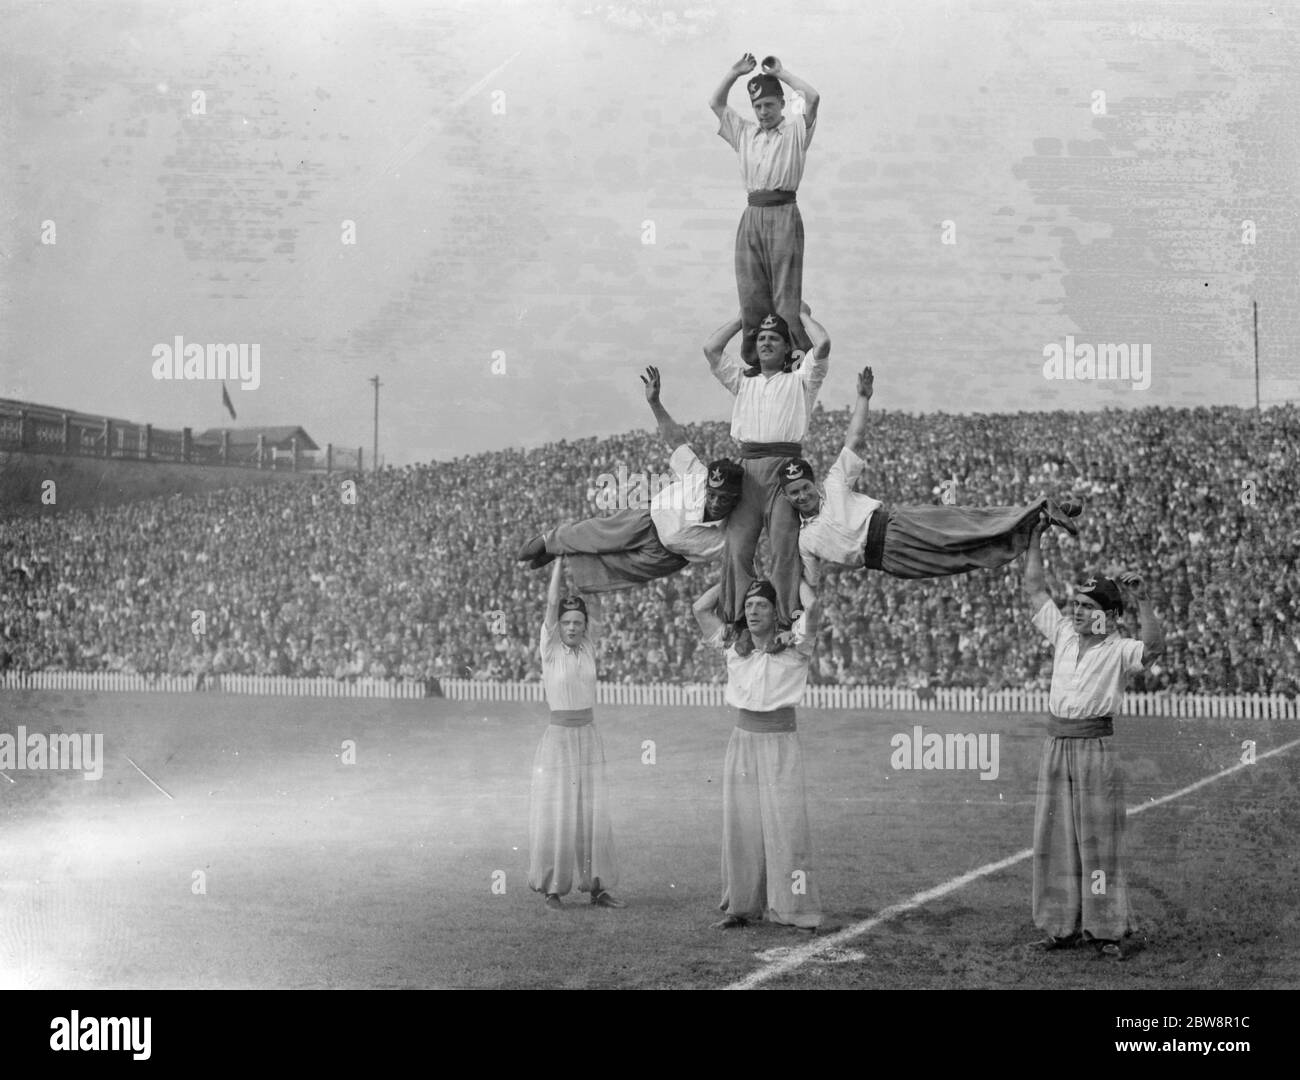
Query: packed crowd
x,y
418,580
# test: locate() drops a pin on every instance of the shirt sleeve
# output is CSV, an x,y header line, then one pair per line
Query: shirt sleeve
x,y
847,468
806,129
812,370
1049,621
1132,653
728,370
731,127
685,461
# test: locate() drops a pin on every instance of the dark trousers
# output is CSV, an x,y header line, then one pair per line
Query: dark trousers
x,y
761,506
616,552
769,272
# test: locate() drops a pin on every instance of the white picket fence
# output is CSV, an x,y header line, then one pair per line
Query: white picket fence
x,y
902,699
891,698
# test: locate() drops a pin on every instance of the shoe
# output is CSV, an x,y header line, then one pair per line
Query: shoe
x,y
603,899
533,549
1051,944
731,922
1059,515
554,902
1113,951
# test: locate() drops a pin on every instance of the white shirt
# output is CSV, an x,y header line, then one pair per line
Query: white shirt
x,y
769,160
1091,685
762,681
569,675
776,408
678,511
837,533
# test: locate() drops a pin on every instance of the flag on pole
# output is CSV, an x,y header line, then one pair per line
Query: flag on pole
x,y
225,400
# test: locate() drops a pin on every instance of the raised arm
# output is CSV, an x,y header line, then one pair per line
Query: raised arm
x,y
672,432
1150,629
1035,583
817,334
743,66
717,343
553,597
727,374
705,610
811,623
595,618
810,96
856,437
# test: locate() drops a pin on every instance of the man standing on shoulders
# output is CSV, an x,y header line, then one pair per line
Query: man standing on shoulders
x,y
771,148
769,419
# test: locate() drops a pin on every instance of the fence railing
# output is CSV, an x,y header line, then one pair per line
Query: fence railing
x,y
696,695
42,430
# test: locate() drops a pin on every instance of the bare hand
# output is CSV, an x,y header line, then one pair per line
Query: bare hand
x,y
1040,526
866,382
651,382
744,65
1131,583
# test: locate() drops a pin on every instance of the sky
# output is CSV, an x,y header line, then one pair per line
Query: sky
x,y
506,210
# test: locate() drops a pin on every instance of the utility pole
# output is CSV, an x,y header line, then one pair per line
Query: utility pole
x,y
1255,305
374,453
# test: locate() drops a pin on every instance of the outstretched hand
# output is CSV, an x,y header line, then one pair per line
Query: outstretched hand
x,y
866,382
651,382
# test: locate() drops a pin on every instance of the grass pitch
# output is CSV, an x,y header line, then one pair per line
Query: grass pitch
x,y
275,864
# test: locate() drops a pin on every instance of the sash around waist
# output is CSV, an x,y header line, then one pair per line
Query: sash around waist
x,y
1087,727
873,550
770,449
775,197
572,717
766,723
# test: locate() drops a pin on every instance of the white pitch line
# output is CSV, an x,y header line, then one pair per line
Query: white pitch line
x,y
9,778
804,953
147,777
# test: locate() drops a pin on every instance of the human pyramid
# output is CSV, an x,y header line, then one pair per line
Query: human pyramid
x,y
765,624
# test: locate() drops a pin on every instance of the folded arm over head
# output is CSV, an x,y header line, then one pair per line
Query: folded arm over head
x,y
742,67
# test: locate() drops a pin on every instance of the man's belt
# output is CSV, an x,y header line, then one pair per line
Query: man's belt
x,y
572,717
873,551
770,449
765,723
770,198
1089,727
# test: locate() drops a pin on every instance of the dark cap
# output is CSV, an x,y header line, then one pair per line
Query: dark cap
x,y
1104,591
777,325
761,86
725,477
793,470
574,603
762,588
